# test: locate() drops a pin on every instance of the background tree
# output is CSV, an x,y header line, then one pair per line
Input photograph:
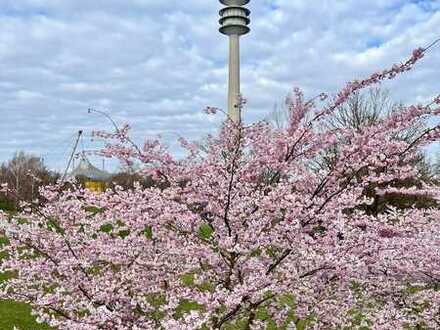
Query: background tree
x,y
25,174
128,180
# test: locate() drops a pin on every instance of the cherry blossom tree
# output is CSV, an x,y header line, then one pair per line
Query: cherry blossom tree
x,y
244,233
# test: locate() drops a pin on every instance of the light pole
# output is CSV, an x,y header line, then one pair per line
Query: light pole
x,y
234,21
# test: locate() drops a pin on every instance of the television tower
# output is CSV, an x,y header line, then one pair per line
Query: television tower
x,y
234,21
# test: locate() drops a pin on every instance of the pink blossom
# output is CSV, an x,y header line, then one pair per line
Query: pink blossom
x,y
245,222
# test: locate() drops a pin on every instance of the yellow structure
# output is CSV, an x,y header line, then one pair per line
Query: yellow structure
x,y
92,177
95,186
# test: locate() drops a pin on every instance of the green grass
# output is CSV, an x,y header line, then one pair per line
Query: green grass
x,y
18,315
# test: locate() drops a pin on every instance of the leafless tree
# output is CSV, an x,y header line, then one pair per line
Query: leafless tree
x,y
24,174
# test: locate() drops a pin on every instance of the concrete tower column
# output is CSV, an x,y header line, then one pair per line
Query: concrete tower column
x,y
234,21
234,78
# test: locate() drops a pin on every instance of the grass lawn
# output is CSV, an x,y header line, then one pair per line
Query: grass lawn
x,y
18,315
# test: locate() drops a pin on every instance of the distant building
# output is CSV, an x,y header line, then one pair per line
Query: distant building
x,y
92,177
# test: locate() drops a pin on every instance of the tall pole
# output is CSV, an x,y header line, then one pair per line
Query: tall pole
x,y
71,155
234,21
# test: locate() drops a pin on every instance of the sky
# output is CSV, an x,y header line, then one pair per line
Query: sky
x,y
157,64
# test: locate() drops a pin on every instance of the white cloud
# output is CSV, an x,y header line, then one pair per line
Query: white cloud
x,y
157,64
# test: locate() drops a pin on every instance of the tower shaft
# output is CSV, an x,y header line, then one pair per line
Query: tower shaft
x,y
234,78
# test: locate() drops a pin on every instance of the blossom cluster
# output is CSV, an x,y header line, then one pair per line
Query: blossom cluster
x,y
245,226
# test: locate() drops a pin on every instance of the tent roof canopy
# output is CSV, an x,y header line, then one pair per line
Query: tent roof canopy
x,y
87,170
